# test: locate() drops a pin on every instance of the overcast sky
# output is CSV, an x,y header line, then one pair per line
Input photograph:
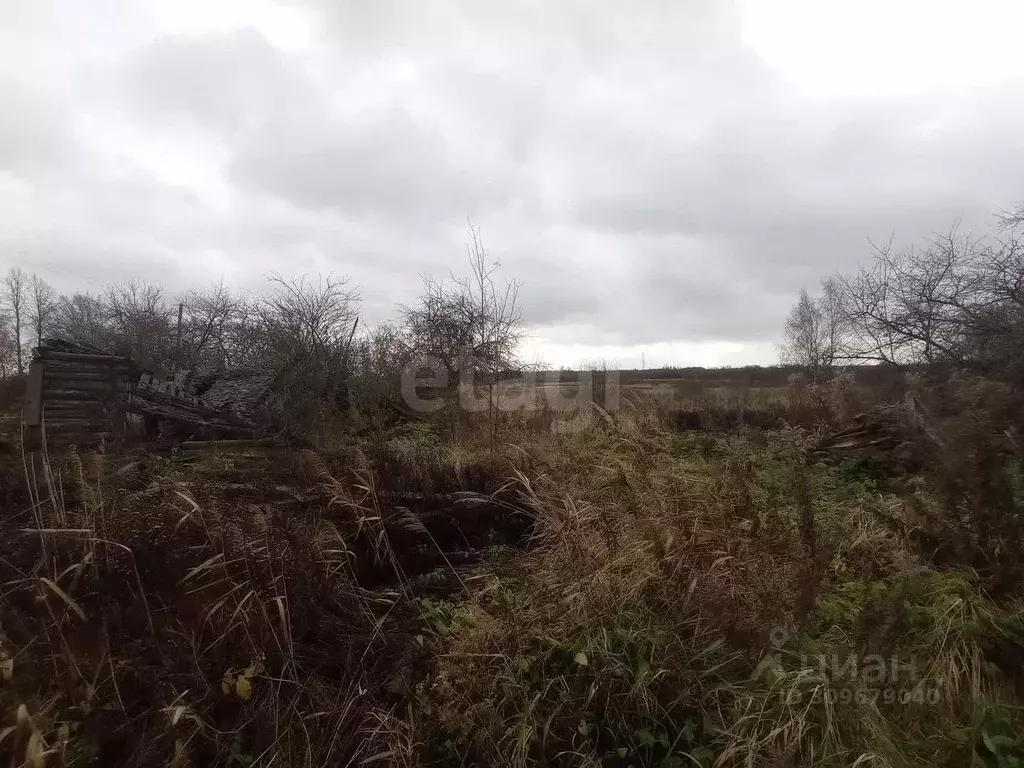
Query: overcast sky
x,y
662,176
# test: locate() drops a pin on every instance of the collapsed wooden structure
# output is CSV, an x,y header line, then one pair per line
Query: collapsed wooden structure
x,y
899,437
81,396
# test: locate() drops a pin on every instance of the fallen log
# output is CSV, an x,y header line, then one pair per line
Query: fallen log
x,y
148,402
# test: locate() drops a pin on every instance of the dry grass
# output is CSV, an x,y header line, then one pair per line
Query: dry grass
x,y
620,594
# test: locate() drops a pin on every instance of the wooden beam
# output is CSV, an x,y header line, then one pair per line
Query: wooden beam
x,y
90,374
87,367
85,386
75,357
74,396
63,408
34,395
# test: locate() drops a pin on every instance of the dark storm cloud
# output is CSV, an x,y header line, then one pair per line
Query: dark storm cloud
x,y
642,171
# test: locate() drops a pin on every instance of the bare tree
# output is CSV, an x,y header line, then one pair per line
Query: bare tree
x,y
995,335
15,298
470,324
141,321
917,305
241,335
814,331
207,317
83,318
42,307
500,322
956,300
8,356
314,317
129,318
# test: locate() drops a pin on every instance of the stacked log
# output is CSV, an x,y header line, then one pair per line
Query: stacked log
x,y
76,397
80,396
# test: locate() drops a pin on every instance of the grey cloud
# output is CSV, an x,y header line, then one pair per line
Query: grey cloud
x,y
234,81
640,169
34,131
389,163
785,196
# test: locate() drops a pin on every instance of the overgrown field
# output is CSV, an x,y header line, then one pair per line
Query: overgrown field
x,y
652,589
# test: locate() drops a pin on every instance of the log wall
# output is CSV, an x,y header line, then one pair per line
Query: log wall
x,y
76,398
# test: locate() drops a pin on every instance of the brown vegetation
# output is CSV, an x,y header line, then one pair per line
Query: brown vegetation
x,y
825,574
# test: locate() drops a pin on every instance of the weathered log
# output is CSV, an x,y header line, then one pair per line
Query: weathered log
x,y
65,423
51,374
100,419
75,357
34,394
159,404
88,385
58,410
76,396
74,393
67,367
460,496
187,417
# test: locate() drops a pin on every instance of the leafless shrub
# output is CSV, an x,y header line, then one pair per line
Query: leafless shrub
x,y
378,360
306,328
466,322
469,324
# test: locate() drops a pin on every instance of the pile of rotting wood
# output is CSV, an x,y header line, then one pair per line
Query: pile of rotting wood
x,y
183,413
243,393
78,394
896,437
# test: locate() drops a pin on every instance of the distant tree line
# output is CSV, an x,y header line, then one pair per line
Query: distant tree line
x,y
305,331
955,300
